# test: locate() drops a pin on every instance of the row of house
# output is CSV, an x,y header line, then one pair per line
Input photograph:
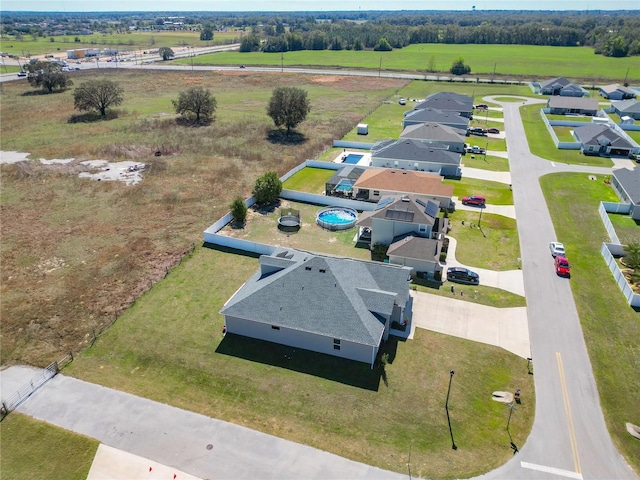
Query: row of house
x,y
346,307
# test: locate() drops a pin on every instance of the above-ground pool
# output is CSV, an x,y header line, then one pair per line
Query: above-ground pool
x,y
337,218
352,158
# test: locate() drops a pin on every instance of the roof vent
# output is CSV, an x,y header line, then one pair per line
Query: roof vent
x,y
322,270
307,268
405,199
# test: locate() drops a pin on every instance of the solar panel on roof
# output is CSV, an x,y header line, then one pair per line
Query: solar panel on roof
x,y
421,202
383,202
432,209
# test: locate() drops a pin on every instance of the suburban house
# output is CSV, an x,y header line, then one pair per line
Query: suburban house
x,y
375,183
399,215
575,105
410,154
563,87
437,135
336,306
341,183
627,108
626,183
448,101
617,92
603,140
434,115
421,254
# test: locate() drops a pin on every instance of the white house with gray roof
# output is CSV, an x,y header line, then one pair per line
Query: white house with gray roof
x,y
627,108
434,115
411,154
603,140
336,306
626,183
617,92
561,86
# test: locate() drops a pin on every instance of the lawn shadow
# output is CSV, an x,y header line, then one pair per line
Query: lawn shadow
x,y
233,251
348,372
281,137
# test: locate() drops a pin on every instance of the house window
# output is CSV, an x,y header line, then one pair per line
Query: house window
x,y
376,192
274,327
336,347
336,344
422,228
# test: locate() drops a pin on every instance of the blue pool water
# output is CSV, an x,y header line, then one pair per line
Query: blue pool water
x,y
344,186
352,158
337,218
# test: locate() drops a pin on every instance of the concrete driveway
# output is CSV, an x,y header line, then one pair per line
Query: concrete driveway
x,y
502,327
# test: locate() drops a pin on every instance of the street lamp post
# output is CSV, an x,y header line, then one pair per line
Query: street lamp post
x,y
380,67
282,61
446,407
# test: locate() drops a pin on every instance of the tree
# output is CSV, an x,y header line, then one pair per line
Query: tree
x,y
288,106
239,210
196,102
207,33
267,188
166,53
47,75
383,46
97,95
459,68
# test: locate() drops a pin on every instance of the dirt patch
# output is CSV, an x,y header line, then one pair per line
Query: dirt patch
x,y
353,83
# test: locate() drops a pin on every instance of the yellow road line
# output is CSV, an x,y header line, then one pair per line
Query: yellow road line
x,y
567,408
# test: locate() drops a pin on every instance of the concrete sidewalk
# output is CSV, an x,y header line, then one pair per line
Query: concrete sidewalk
x,y
507,328
176,439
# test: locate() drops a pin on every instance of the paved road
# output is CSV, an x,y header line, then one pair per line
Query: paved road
x,y
569,436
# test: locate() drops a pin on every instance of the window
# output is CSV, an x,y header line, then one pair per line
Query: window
x,y
336,347
376,192
336,344
274,327
422,228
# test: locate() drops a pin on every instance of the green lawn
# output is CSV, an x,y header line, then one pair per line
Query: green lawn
x,y
507,60
626,228
496,193
610,326
168,347
494,246
564,134
494,297
309,180
542,145
34,450
486,162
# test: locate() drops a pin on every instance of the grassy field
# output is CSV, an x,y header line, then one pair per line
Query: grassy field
x,y
611,328
121,41
309,180
493,297
541,144
508,61
319,400
101,244
34,450
486,162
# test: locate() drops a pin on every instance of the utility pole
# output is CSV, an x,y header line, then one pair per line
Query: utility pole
x,y
282,61
380,67
446,407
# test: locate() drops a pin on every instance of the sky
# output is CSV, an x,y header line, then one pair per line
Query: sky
x,y
308,5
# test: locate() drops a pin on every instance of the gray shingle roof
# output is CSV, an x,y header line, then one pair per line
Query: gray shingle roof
x,y
435,115
416,151
573,102
627,106
414,247
324,295
595,134
454,102
555,82
630,181
432,131
400,210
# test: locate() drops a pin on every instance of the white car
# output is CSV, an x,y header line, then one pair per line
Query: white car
x,y
557,249
402,101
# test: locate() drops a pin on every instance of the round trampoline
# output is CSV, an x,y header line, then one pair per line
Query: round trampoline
x,y
289,219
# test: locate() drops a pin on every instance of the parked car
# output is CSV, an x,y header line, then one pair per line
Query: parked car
x,y
22,73
402,101
475,149
493,130
241,66
474,200
481,106
557,248
477,131
562,266
462,275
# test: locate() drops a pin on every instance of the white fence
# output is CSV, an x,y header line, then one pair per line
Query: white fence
x,y
357,145
211,235
602,210
633,299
